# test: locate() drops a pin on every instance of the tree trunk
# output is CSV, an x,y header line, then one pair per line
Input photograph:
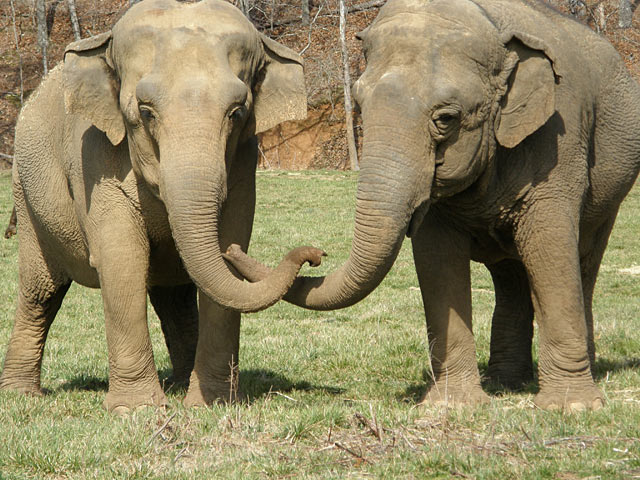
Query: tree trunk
x,y
43,37
625,14
348,108
305,13
17,42
243,5
75,26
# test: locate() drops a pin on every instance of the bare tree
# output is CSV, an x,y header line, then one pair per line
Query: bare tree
x,y
625,14
75,26
348,108
43,36
15,39
244,7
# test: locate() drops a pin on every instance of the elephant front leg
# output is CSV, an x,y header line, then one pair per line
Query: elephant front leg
x,y
215,372
442,261
549,250
510,362
122,265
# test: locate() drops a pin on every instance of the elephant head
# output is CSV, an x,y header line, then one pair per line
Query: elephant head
x,y
445,86
187,84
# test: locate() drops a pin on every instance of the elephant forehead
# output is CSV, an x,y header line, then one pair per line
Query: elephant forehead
x,y
431,49
461,11
171,22
455,27
174,46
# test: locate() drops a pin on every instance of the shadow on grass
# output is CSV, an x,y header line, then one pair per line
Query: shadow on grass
x,y
605,366
86,383
258,383
255,384
414,393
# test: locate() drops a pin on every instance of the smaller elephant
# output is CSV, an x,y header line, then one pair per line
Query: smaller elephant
x,y
498,131
134,169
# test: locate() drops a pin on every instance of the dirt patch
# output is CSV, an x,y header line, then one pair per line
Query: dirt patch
x,y
318,142
635,270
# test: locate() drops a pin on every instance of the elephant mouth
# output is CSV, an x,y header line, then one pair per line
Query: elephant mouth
x,y
417,217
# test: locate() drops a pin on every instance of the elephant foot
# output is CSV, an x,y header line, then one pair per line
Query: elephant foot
x,y
122,403
198,396
510,377
455,396
28,388
570,400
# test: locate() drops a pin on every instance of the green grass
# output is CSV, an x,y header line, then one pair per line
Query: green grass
x,y
322,383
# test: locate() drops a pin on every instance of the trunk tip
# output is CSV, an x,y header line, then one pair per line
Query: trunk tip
x,y
311,255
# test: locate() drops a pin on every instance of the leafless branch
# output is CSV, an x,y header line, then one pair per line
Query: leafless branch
x,y
366,5
73,16
315,17
348,108
43,37
15,39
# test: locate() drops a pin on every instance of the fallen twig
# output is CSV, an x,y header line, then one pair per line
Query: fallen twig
x,y
159,431
180,454
286,396
351,452
366,423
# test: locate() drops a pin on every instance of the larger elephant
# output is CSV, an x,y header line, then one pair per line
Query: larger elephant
x,y
134,166
499,131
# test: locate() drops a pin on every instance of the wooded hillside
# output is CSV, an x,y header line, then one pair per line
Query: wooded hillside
x,y
310,27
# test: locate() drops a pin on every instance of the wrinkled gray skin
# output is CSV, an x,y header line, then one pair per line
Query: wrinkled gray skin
x,y
134,166
498,131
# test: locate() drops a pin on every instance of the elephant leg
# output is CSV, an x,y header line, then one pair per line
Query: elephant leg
x,y
589,267
549,250
442,260
177,309
215,372
510,362
122,263
40,293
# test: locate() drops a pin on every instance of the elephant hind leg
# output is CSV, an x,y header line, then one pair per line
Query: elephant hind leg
x,y
589,267
41,290
215,373
547,241
510,363
177,309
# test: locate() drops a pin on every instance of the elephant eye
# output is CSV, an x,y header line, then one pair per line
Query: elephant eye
x,y
237,112
444,121
146,113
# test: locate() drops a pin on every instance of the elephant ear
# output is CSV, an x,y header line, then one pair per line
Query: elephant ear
x,y
529,100
280,93
91,85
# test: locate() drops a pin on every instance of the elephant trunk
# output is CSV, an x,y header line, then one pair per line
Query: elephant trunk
x,y
193,187
392,197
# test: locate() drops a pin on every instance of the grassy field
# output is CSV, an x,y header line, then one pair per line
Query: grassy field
x,y
332,394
